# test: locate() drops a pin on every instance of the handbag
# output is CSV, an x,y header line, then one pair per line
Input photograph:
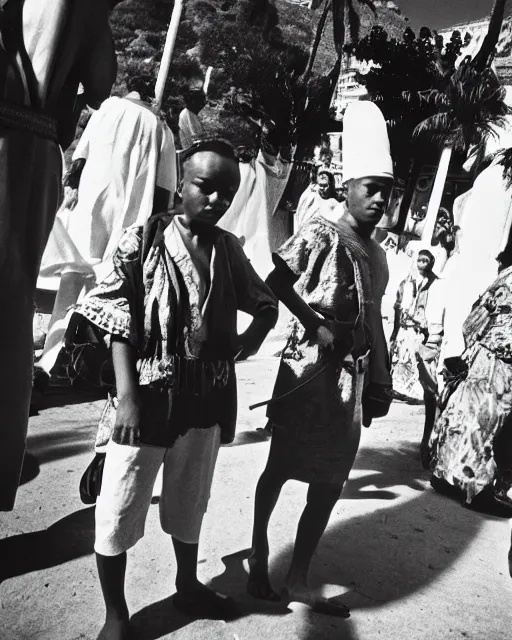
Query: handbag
x,y
89,358
90,482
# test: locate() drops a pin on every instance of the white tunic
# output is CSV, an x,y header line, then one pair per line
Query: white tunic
x,y
128,152
485,226
262,184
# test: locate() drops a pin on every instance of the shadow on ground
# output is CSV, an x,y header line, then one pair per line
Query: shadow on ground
x,y
30,469
55,397
377,558
161,618
55,445
249,437
67,539
157,620
380,557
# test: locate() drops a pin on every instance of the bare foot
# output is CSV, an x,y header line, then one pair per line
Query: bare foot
x,y
316,601
258,583
115,629
198,601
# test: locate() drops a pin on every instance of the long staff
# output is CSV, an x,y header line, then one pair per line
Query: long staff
x,y
170,41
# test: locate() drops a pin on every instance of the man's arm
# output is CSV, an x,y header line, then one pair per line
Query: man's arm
x,y
126,429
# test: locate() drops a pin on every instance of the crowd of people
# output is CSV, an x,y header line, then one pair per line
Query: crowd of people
x,y
157,251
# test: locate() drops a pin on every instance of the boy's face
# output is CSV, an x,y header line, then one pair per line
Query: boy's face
x,y
368,199
324,186
424,264
210,183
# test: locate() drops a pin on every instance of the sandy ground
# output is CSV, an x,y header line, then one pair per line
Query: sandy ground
x,y
412,564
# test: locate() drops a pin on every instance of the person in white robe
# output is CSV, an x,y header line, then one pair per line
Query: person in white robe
x,y
485,225
190,126
129,171
250,216
322,201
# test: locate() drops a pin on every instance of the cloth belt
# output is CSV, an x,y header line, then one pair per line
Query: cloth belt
x,y
192,375
23,118
199,377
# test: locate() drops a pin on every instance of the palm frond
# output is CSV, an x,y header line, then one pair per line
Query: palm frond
x,y
469,109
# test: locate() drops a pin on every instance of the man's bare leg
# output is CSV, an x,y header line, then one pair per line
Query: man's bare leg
x,y
267,494
192,597
321,501
111,571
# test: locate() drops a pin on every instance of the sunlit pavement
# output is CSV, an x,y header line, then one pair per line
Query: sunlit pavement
x,y
412,564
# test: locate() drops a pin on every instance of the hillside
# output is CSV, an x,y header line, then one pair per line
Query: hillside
x,y
139,28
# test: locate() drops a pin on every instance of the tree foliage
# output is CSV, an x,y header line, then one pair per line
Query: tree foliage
x,y
467,110
259,51
403,75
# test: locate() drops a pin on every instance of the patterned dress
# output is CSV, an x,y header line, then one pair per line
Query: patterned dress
x,y
474,414
412,302
317,429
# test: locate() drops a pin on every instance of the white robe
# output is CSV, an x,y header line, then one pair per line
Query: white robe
x,y
485,226
250,216
190,127
128,152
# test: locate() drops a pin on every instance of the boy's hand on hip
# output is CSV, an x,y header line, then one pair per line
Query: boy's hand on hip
x,y
127,426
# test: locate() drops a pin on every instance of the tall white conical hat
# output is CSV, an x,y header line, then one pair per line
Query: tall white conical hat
x,y
366,150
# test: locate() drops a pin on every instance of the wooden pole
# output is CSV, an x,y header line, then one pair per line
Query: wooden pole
x,y
316,41
170,41
436,196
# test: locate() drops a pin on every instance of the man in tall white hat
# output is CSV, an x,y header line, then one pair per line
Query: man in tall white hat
x,y
368,173
334,374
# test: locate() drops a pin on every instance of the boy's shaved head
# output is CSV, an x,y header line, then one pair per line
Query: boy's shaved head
x,y
210,181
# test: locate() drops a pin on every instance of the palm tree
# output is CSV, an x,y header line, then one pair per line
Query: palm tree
x,y
468,107
484,57
344,14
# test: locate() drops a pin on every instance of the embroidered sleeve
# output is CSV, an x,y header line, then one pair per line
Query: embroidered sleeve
x,y
297,250
110,305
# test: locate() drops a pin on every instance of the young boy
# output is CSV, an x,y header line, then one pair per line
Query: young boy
x,y
331,276
170,308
